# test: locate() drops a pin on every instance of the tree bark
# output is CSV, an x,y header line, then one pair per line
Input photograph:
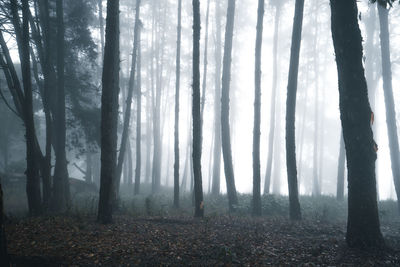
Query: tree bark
x,y
198,187
257,112
225,131
268,172
4,258
363,229
204,85
389,100
217,104
294,205
61,181
138,119
109,113
341,169
177,87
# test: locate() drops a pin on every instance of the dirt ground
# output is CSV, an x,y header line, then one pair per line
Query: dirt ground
x,y
183,241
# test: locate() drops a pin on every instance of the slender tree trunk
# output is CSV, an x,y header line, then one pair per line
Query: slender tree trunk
x,y
89,167
341,170
276,182
257,112
316,186
50,84
109,113
129,162
294,205
128,108
32,171
363,229
101,24
138,119
4,259
217,104
177,87
268,172
198,187
204,85
389,100
225,131
61,181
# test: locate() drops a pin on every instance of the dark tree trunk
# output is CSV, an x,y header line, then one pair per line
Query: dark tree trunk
x,y
109,113
4,259
50,85
363,229
294,205
61,181
32,168
268,172
225,131
389,100
204,85
198,187
127,117
341,169
257,112
177,87
138,119
217,104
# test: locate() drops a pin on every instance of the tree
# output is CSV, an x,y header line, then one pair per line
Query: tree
x,y
217,104
177,87
294,205
32,169
341,169
138,118
109,113
198,187
388,94
268,172
4,259
204,85
61,183
257,112
225,130
363,229
127,117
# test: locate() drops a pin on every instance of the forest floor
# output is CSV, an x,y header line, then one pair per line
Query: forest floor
x,y
183,240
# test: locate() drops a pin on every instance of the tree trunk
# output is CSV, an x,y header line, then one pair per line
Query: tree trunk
x,y
276,182
89,167
101,24
50,84
61,181
130,162
138,119
225,131
177,87
363,229
4,259
341,169
294,205
389,100
268,172
32,171
109,113
204,85
257,112
217,104
316,185
127,117
198,187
